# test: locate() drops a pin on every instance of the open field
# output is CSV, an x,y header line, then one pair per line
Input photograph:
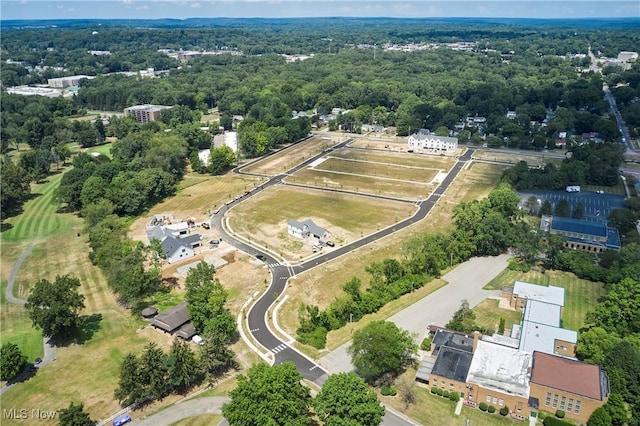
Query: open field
x,y
289,157
432,410
580,295
86,372
488,315
377,169
263,217
323,283
392,157
514,156
364,184
197,196
104,149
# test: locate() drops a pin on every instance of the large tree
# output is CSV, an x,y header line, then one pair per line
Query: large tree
x,y
12,361
74,415
345,399
55,307
269,396
215,356
14,188
206,300
130,389
381,349
183,370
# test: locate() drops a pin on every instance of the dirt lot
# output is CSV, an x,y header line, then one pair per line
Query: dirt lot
x,y
263,218
532,158
290,157
321,285
376,169
363,184
395,157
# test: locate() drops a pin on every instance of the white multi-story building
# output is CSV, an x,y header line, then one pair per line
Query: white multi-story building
x,y
425,140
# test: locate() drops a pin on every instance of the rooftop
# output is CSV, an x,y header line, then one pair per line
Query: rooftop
x,y
172,319
542,338
565,224
147,107
451,339
452,364
550,294
500,368
542,313
577,377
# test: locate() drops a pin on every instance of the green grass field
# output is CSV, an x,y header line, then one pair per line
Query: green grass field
x,y
432,410
488,315
580,295
39,218
16,328
104,149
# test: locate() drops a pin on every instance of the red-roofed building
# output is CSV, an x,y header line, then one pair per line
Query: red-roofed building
x,y
575,387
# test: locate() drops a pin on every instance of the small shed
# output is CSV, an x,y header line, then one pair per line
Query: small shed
x,y
149,312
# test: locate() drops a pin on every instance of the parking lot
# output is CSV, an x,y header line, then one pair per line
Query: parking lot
x,y
597,207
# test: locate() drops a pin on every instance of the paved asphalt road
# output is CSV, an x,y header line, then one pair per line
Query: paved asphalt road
x,y
185,409
621,124
465,282
256,317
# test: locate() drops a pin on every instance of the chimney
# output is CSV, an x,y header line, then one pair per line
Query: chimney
x,y
476,337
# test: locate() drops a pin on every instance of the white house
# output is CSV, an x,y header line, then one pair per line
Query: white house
x,y
177,249
425,140
305,229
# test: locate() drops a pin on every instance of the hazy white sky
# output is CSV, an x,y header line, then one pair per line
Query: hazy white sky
x,y
180,9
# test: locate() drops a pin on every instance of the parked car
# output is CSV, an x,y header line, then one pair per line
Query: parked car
x,y
261,257
331,244
205,225
123,419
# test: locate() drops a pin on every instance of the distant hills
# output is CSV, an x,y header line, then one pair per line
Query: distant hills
x,y
614,23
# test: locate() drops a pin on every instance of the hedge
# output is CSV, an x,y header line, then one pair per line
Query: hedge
x,y
491,409
483,406
388,391
504,411
560,414
552,421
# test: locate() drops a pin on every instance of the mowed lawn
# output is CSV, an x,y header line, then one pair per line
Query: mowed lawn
x,y
86,371
488,315
580,295
359,215
321,285
432,410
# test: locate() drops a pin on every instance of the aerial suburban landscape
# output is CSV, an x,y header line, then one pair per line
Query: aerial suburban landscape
x,y
305,214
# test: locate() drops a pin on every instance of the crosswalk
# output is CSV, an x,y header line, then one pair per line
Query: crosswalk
x,y
279,348
273,265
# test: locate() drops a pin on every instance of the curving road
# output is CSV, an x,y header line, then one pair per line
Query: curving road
x,y
49,349
280,274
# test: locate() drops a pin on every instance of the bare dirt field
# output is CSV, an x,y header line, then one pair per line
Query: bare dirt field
x,y
377,169
532,158
364,184
394,157
263,218
290,157
321,285
396,144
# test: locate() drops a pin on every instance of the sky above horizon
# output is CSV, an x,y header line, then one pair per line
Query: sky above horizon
x,y
182,9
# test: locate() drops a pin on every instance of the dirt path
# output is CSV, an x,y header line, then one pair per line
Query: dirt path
x,y
12,278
